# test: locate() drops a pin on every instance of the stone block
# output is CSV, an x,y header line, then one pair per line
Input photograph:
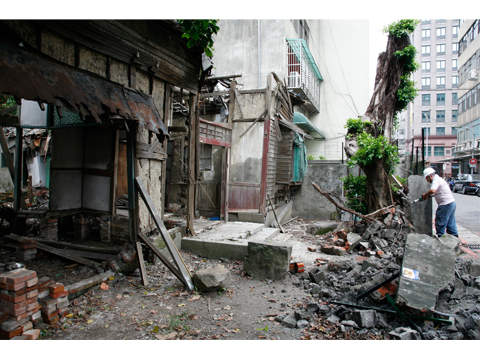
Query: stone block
x,y
402,333
267,261
474,269
365,318
333,250
211,279
290,321
353,239
317,275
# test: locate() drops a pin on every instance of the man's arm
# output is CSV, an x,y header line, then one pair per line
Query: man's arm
x,y
429,194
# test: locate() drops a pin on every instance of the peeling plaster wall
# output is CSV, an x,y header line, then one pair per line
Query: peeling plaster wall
x,y
93,61
57,47
119,72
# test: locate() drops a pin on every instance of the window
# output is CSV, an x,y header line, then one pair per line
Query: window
x,y
440,115
455,47
454,131
454,99
441,33
4,163
440,131
426,50
454,64
426,82
440,82
455,80
425,34
441,65
426,131
429,151
455,30
438,151
426,99
426,116
425,66
302,29
441,49
441,99
205,157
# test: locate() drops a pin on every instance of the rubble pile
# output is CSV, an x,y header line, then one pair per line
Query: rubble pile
x,y
352,291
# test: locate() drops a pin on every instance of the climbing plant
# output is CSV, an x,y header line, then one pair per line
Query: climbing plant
x,y
369,138
200,32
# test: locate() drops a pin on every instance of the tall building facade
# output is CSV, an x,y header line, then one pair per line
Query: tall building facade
x,y
323,61
435,109
468,127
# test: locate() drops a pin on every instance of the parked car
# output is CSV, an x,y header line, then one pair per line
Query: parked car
x,y
468,183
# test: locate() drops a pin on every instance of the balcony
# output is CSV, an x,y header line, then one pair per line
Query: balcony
x,y
303,75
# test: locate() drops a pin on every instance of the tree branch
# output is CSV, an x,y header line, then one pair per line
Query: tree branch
x,y
329,198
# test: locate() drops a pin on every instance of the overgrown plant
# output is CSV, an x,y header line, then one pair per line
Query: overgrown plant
x,y
200,32
369,138
355,187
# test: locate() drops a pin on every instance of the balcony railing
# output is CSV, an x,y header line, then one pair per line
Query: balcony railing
x,y
303,75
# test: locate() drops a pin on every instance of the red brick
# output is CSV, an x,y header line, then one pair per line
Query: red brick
x,y
60,294
32,334
16,312
33,307
31,300
31,288
13,287
52,321
27,246
56,288
43,283
4,276
21,277
32,294
49,313
31,282
14,306
11,334
22,316
20,337
12,298
27,326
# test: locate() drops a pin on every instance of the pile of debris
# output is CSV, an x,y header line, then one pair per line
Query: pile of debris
x,y
356,290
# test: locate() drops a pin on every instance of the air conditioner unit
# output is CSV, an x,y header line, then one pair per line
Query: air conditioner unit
x,y
294,79
473,75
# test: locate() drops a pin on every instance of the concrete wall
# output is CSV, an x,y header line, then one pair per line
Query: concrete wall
x,y
341,52
420,213
308,202
237,49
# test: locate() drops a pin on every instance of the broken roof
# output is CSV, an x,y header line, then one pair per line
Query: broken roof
x,y
33,76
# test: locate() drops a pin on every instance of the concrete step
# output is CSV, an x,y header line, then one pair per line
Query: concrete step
x,y
264,234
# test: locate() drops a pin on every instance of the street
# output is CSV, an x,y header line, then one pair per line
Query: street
x,y
468,211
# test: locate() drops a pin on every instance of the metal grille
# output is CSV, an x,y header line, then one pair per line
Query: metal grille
x,y
474,246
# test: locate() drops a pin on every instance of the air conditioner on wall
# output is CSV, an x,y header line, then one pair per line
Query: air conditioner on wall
x,y
473,75
294,79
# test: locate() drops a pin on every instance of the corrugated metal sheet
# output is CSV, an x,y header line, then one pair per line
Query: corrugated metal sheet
x,y
33,76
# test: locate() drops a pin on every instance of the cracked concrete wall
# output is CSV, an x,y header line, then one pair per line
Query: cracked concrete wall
x,y
327,174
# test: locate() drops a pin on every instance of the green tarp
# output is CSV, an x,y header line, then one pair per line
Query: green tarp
x,y
300,162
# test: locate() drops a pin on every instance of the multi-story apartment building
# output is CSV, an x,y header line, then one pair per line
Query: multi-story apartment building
x,y
435,108
468,128
323,61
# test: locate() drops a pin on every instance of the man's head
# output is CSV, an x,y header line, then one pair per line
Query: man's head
x,y
428,174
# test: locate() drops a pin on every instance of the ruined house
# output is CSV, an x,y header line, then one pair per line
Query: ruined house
x,y
102,90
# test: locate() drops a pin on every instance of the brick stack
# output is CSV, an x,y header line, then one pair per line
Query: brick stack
x,y
19,309
26,249
54,303
49,228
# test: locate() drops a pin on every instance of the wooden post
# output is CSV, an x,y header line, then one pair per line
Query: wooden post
x,y
231,106
166,120
132,203
17,184
191,164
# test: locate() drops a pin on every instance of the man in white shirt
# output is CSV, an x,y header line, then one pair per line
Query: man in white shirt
x,y
445,215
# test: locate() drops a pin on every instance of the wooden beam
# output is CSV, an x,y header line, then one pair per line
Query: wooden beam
x,y
191,165
167,262
253,123
231,105
275,214
177,259
143,271
18,199
75,246
66,255
212,78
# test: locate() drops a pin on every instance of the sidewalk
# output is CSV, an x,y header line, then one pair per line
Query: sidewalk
x,y
468,236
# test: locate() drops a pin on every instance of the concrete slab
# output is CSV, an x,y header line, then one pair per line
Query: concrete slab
x,y
420,213
428,266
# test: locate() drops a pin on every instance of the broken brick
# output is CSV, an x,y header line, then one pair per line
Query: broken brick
x,y
56,288
32,334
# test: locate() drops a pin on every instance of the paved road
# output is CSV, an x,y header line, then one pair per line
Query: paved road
x,y
468,211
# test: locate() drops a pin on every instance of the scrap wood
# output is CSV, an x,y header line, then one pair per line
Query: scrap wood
x,y
66,255
278,222
77,247
329,198
380,210
253,123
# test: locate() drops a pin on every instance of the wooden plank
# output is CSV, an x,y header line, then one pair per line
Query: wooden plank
x,y
66,255
239,103
275,214
57,243
143,271
91,255
231,105
167,262
191,164
144,154
152,156
177,259
253,123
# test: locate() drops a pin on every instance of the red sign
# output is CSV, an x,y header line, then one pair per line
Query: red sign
x,y
472,161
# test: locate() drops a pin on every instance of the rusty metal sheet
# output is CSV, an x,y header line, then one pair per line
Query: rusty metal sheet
x,y
243,196
34,76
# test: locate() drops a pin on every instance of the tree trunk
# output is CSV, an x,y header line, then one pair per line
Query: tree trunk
x,y
378,193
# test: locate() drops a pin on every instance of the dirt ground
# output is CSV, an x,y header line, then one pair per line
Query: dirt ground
x,y
164,309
